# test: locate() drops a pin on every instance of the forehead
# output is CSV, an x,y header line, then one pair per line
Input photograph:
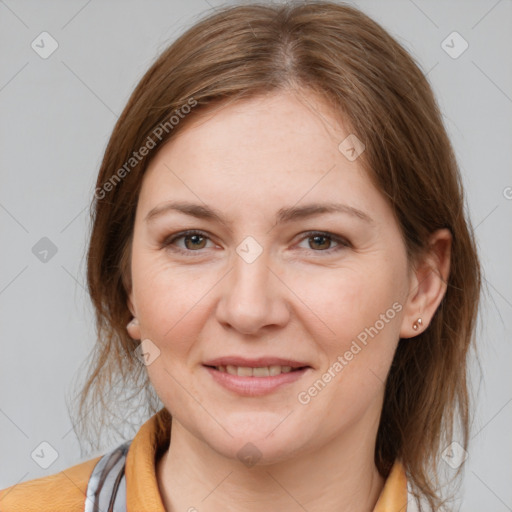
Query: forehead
x,y
290,124
277,148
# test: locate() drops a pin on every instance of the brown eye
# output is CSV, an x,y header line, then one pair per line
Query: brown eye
x,y
320,241
193,241
196,241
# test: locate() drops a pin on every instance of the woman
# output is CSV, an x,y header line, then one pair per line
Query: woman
x,y
279,247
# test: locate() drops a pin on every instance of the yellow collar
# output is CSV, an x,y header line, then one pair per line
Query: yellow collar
x,y
142,486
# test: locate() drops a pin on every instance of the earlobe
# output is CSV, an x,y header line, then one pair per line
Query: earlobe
x,y
428,285
133,329
132,326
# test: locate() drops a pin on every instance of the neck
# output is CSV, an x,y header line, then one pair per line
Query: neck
x,y
340,476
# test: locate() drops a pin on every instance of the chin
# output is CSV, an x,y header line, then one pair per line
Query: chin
x,y
259,453
258,442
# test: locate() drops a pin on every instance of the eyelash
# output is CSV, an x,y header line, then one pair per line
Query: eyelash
x,y
342,243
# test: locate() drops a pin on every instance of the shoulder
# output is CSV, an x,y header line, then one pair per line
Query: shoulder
x,y
61,492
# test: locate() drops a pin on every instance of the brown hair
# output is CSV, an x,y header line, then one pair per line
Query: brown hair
x,y
342,55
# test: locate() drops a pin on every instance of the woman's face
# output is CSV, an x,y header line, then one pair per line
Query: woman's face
x,y
268,278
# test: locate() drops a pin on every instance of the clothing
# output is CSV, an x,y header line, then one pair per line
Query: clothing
x,y
67,491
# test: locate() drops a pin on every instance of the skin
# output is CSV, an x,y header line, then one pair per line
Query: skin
x,y
303,298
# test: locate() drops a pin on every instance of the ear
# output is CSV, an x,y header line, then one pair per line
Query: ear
x,y
133,327
130,305
427,284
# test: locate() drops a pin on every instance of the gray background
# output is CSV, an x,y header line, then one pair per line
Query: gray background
x,y
56,117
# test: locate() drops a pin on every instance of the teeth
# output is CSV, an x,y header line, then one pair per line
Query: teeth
x,y
274,370
243,371
263,371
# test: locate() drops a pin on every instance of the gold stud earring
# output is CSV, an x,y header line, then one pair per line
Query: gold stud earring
x,y
416,325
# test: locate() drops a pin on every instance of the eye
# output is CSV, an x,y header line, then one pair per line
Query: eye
x,y
320,241
193,240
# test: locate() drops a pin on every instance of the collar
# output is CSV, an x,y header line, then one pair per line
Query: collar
x,y
152,440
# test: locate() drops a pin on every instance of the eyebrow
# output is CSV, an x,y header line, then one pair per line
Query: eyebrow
x,y
289,214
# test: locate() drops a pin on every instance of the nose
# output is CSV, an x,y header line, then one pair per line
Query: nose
x,y
253,297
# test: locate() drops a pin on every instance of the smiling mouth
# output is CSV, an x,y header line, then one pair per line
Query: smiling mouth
x,y
261,371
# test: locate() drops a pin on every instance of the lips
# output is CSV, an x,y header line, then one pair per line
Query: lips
x,y
256,376
264,361
253,386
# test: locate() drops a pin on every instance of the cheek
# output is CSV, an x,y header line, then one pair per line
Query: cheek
x,y
344,302
171,305
356,326
169,300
